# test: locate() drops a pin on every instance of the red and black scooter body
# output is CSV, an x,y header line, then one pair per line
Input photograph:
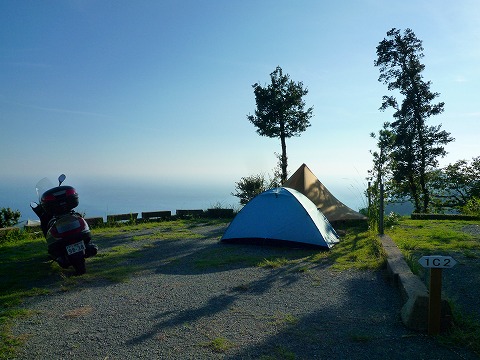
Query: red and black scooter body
x,y
67,233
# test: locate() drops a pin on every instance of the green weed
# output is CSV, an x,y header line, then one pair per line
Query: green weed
x,y
274,263
219,344
284,319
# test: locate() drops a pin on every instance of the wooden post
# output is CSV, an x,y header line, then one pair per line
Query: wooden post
x,y
435,301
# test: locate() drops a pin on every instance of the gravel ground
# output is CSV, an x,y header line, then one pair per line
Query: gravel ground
x,y
172,310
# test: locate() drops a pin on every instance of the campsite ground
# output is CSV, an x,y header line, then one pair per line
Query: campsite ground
x,y
195,298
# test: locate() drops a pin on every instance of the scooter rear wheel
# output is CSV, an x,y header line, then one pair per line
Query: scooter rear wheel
x,y
78,263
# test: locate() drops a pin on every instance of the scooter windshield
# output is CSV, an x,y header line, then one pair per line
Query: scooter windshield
x,y
42,186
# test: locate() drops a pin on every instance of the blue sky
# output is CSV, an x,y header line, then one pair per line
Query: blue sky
x,y
161,89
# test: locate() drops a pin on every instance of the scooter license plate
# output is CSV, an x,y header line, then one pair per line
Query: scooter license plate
x,y
75,248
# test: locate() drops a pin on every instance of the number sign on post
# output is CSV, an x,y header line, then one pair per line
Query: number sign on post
x,y
436,263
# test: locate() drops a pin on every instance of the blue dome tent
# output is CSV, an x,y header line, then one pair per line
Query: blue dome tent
x,y
284,216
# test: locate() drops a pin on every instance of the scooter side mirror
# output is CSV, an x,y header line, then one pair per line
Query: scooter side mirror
x,y
61,179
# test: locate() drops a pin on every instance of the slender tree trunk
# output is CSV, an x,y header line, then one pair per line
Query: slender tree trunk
x,y
414,193
423,185
423,167
284,153
419,126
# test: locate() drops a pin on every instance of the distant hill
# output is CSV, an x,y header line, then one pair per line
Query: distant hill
x,y
404,208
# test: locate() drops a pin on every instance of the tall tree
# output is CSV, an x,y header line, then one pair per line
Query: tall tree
x,y
280,111
417,145
379,173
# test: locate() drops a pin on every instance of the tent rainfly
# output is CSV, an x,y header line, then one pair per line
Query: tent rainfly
x,y
304,181
283,216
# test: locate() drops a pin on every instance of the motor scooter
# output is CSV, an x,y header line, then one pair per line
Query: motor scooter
x,y
66,231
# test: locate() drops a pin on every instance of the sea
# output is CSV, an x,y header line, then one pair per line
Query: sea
x,y
99,198
110,197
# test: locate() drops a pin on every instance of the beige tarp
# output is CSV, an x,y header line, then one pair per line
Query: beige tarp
x,y
306,182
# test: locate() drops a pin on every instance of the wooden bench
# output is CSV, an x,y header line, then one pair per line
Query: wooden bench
x,y
94,221
220,213
156,215
121,217
189,213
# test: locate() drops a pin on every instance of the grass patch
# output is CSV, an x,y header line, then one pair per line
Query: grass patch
x,y
284,319
359,249
416,238
428,236
219,344
22,266
274,263
120,229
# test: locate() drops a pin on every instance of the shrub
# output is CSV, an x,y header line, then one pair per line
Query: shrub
x,y
392,219
472,207
8,217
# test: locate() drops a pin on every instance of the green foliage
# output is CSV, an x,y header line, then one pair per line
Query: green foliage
x,y
11,235
249,187
472,207
280,111
392,219
417,146
456,184
8,217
